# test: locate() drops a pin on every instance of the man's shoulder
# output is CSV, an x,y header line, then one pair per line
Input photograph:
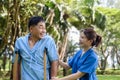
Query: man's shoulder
x,y
22,38
48,37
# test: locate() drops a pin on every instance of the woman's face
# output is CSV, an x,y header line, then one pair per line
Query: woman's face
x,y
84,42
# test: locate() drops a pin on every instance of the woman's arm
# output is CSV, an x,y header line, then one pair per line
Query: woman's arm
x,y
64,65
71,77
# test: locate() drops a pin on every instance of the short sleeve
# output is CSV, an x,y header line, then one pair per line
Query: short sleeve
x,y
89,65
52,51
72,59
16,49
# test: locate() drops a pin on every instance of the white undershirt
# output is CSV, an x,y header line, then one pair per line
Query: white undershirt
x,y
82,53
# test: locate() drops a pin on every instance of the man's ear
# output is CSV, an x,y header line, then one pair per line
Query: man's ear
x,y
30,29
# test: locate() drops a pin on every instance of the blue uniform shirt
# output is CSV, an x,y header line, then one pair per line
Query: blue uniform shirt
x,y
87,64
32,67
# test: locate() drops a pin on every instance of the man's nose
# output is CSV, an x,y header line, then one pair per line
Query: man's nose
x,y
44,30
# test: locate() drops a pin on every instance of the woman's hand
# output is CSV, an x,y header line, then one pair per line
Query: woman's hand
x,y
64,64
54,78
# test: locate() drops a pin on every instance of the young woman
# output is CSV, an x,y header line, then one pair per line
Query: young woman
x,y
85,61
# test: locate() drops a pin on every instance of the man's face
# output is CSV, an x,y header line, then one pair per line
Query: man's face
x,y
38,31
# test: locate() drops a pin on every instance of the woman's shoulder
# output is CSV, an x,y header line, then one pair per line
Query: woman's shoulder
x,y
93,54
78,52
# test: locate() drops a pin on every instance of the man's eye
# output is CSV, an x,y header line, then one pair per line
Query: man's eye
x,y
40,27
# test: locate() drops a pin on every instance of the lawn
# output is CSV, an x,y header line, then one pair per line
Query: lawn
x,y
108,77
100,77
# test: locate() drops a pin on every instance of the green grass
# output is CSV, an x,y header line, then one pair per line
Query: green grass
x,y
100,77
108,77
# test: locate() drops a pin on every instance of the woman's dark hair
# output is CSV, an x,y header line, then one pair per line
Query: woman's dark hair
x,y
91,35
35,20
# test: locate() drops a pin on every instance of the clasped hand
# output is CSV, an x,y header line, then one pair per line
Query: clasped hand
x,y
54,78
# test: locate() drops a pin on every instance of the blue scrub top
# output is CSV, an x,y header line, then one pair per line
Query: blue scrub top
x,y
32,67
87,64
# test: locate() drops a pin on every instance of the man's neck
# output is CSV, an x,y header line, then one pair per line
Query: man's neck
x,y
32,41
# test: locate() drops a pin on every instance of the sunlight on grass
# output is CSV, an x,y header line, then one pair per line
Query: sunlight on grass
x,y
108,77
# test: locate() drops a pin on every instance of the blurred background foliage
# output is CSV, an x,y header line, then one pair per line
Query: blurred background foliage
x,y
60,16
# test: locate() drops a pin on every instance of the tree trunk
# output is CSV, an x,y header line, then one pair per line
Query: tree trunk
x,y
62,48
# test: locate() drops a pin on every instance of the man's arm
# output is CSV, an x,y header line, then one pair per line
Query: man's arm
x,y
15,68
54,68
